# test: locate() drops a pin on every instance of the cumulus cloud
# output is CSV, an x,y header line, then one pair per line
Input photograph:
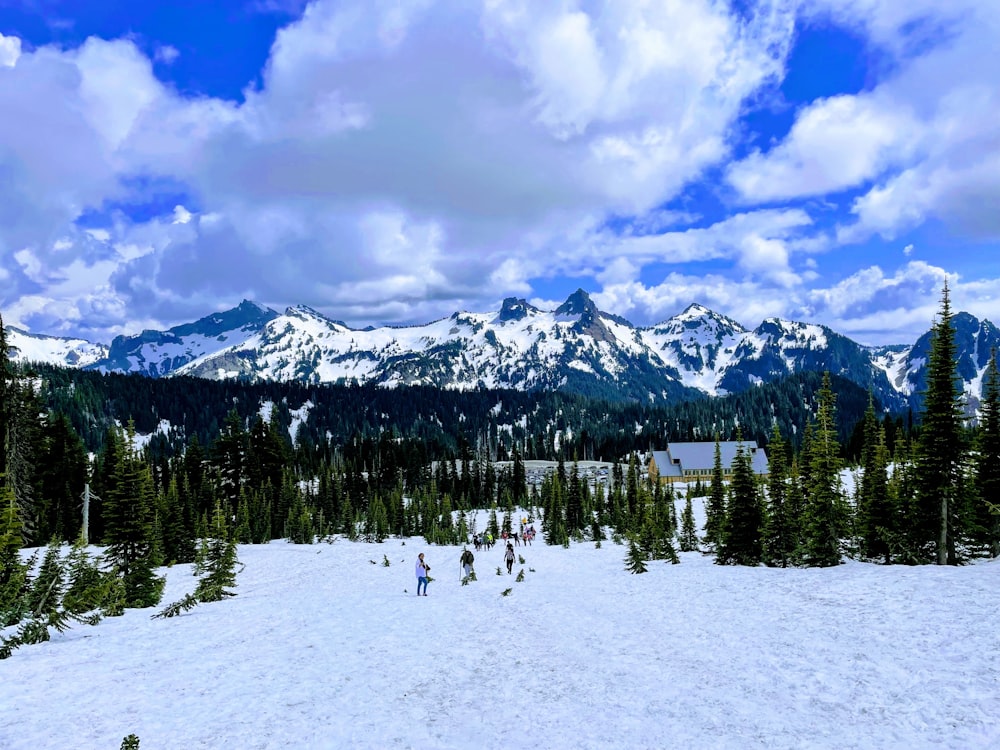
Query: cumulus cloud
x,y
399,160
870,305
923,143
835,143
10,50
393,150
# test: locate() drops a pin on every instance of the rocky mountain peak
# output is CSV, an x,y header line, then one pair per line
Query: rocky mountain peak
x,y
514,308
578,303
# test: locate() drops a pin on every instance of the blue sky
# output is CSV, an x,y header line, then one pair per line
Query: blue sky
x,y
392,161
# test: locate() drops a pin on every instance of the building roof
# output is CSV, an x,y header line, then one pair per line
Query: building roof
x,y
680,456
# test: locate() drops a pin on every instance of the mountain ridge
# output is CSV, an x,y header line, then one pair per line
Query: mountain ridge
x,y
576,347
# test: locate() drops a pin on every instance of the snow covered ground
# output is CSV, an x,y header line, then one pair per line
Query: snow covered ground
x,y
323,649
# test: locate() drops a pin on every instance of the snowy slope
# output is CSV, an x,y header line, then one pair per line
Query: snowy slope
x,y
575,347
323,649
157,353
53,350
974,342
519,347
700,343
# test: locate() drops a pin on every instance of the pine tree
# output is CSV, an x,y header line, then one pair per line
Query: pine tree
x,y
6,399
876,520
824,511
14,571
940,451
635,562
377,523
778,541
129,526
741,537
986,521
689,531
45,595
220,562
715,507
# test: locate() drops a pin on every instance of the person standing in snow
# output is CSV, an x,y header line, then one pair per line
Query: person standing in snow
x,y
509,557
466,561
422,570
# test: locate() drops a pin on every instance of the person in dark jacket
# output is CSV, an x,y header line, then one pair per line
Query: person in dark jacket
x,y
466,561
509,557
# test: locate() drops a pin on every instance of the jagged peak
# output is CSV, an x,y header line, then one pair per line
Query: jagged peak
x,y
578,303
514,308
697,315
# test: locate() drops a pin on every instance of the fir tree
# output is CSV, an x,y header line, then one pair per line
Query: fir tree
x,y
129,526
689,531
715,507
986,521
220,562
779,538
377,524
741,536
14,571
876,519
940,453
824,511
635,562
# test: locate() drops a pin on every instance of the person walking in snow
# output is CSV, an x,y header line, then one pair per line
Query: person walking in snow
x,y
422,570
466,561
509,557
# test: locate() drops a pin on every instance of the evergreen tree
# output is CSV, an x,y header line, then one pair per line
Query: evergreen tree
x,y
6,398
986,521
129,526
715,507
377,523
824,511
14,571
940,451
779,538
230,458
574,501
220,562
62,474
635,560
45,595
689,531
876,519
741,537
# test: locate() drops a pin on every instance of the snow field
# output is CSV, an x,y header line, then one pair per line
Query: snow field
x,y
323,649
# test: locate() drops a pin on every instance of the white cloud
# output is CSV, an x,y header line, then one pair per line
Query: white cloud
x,y
166,54
10,51
923,143
181,215
400,159
835,143
745,301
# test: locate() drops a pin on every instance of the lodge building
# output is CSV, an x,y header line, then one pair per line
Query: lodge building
x,y
689,462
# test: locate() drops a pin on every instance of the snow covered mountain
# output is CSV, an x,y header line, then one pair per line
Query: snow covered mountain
x,y
575,347
53,350
974,341
157,353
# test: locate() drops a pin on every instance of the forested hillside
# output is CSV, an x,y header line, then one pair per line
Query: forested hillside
x,y
320,419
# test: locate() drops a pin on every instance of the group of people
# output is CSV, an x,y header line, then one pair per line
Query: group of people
x,y
466,560
485,540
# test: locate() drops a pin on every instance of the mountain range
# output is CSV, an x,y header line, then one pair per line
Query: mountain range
x,y
576,348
